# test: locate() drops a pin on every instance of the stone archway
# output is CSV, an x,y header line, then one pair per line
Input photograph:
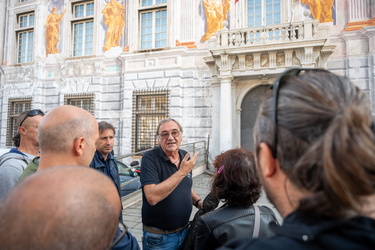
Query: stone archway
x,y
249,111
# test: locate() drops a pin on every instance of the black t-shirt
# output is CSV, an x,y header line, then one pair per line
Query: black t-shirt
x,y
174,211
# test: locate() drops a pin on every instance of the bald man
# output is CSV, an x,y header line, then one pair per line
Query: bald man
x,y
67,136
60,208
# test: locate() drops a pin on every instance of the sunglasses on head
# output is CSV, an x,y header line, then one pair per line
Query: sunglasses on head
x,y
32,113
276,87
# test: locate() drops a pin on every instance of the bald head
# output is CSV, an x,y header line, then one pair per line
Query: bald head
x,y
69,131
65,207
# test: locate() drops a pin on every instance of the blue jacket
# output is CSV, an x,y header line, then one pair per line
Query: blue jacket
x,y
98,164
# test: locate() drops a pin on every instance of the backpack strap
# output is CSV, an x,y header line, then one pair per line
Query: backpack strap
x,y
256,221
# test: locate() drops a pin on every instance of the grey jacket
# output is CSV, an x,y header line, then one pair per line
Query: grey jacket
x,y
11,167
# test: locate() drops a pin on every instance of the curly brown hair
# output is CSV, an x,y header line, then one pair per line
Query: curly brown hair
x,y
237,181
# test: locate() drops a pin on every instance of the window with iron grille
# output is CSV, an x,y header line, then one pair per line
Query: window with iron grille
x,y
149,107
83,101
15,108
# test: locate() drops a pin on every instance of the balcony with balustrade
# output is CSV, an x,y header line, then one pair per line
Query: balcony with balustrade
x,y
269,49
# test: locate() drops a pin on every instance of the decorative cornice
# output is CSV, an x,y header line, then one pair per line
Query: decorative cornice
x,y
189,44
359,24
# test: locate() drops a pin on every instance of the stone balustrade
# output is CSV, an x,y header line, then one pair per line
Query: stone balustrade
x,y
269,49
270,34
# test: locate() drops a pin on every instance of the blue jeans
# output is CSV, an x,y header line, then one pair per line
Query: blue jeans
x,y
163,241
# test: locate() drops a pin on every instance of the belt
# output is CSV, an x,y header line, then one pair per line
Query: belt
x,y
161,231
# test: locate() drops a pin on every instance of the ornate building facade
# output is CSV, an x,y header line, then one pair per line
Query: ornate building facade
x,y
207,63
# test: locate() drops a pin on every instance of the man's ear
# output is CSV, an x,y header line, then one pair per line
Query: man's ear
x,y
267,163
79,146
21,130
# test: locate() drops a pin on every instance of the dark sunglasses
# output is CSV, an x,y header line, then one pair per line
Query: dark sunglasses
x,y
275,87
32,113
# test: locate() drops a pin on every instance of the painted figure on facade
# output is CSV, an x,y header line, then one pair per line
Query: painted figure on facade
x,y
52,31
114,19
320,9
216,12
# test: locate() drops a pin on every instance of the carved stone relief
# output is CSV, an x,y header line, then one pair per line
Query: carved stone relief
x,y
264,60
280,59
236,63
249,62
295,60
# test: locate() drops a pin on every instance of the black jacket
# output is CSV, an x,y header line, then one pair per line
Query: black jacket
x,y
298,232
223,224
210,202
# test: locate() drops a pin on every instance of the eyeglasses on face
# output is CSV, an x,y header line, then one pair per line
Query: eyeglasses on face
x,y
165,135
122,234
31,113
276,87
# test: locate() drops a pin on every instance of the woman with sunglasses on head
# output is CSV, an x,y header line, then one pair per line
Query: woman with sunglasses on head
x,y
315,149
236,183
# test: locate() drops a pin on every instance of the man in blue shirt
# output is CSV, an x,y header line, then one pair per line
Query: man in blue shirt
x,y
103,160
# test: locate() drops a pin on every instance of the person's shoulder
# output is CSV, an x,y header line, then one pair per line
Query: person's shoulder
x,y
264,243
11,158
95,163
152,152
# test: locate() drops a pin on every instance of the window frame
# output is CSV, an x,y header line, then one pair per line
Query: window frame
x,y
264,14
68,98
152,114
85,19
13,114
29,30
153,8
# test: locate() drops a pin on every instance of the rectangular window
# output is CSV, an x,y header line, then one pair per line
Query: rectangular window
x,y
153,2
25,37
83,28
149,107
153,23
263,12
15,108
83,101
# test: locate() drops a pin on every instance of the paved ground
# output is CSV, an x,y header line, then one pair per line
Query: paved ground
x,y
201,185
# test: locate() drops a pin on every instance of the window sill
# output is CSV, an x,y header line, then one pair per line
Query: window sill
x,y
151,50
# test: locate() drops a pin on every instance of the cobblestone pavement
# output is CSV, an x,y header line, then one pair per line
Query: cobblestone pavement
x,y
201,185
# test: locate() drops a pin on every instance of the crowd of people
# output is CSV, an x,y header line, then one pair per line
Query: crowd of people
x,y
314,157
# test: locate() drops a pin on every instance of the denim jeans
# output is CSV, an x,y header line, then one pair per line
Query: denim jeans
x,y
163,241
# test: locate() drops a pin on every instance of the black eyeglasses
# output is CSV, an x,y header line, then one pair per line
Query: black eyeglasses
x,y
32,113
122,234
276,86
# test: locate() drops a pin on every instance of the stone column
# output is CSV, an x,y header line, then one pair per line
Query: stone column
x,y
359,10
187,19
226,113
215,136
